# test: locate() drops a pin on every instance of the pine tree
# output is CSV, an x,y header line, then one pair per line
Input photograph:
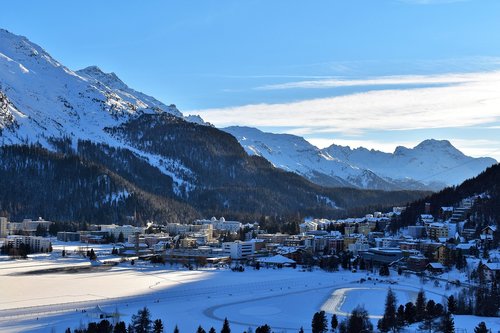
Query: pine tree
x,y
212,330
319,322
301,329
400,317
263,329
410,312
158,326
388,321
420,306
225,327
200,330
452,304
141,322
334,322
359,321
176,329
481,328
120,327
430,309
447,323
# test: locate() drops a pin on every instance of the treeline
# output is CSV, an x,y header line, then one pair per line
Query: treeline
x,y
433,316
35,182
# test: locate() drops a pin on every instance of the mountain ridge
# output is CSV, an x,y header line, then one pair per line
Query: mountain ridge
x,y
406,168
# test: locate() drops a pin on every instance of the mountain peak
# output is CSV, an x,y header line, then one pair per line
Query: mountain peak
x,y
109,79
433,143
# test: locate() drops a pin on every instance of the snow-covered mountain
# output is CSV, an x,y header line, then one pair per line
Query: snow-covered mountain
x,y
431,161
432,164
294,153
41,98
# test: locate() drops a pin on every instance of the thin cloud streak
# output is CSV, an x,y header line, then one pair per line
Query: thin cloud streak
x,y
386,81
472,103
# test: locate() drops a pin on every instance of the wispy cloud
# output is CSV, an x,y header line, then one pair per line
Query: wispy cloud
x,y
476,101
379,81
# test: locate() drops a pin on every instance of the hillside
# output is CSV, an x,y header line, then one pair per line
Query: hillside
x,y
486,211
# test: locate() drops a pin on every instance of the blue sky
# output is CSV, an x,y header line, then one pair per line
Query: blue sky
x,y
378,73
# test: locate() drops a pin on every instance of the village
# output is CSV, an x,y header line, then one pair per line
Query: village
x,y
435,244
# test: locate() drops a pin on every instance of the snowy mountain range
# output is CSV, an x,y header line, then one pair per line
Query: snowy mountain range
x,y
42,100
431,165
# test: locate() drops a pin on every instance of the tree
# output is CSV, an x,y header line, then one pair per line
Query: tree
x,y
358,321
121,237
388,321
301,329
141,322
158,326
430,309
400,317
176,329
120,327
200,330
481,328
410,312
92,255
225,327
319,322
212,330
263,329
334,322
384,270
420,306
104,327
452,304
447,324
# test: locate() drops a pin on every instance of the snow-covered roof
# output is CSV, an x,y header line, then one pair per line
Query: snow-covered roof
x,y
277,259
493,266
436,265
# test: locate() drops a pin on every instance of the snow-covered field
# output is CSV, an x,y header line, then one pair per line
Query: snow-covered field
x,y
285,299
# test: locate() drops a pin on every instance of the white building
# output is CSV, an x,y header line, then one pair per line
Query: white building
x,y
239,249
127,230
36,244
308,226
221,224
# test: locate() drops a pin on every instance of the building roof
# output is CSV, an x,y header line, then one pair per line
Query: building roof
x,y
277,259
436,265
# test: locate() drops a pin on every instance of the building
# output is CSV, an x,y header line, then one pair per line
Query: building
x,y
491,271
36,244
65,236
3,227
416,231
382,256
438,230
239,249
308,226
222,224
126,230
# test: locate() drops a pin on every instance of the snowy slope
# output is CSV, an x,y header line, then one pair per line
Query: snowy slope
x,y
430,161
430,165
42,99
294,153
